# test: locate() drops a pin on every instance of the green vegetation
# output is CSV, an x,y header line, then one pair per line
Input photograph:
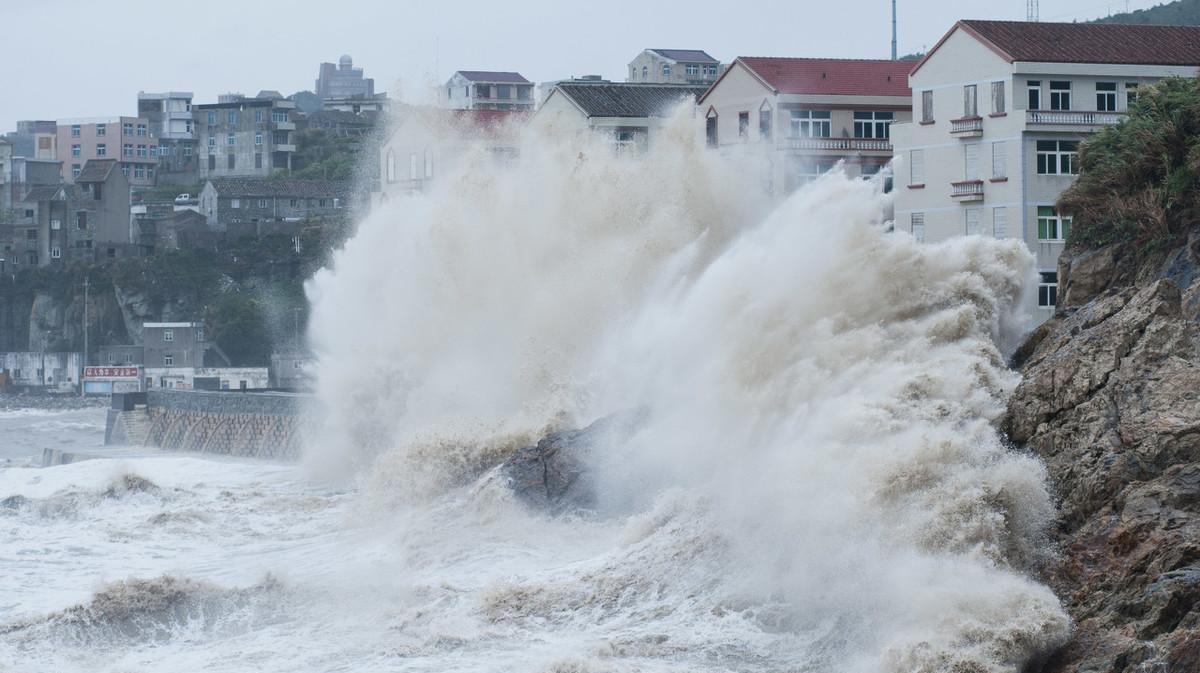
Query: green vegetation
x,y
325,156
1179,13
1140,180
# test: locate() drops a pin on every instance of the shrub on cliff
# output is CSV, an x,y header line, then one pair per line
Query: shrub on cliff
x,y
1140,180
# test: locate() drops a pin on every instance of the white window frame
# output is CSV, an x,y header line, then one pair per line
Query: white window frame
x,y
1034,90
1060,98
1055,159
168,360
235,203
873,123
810,124
168,335
55,253
391,166
1047,289
1106,99
916,167
927,106
412,166
1055,226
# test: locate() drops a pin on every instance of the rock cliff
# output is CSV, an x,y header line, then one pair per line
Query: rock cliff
x,y
1110,400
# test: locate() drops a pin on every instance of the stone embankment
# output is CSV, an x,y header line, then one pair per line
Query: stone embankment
x,y
257,425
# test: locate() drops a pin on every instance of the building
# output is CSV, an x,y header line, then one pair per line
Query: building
x,y
122,355
628,113
249,206
6,155
428,142
293,370
674,66
482,90
244,137
51,372
174,344
125,139
343,81
804,115
1000,110
170,117
35,139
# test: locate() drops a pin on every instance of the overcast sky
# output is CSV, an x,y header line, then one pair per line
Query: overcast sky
x,y
79,58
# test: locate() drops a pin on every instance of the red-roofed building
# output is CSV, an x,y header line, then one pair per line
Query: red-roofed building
x,y
814,112
1001,107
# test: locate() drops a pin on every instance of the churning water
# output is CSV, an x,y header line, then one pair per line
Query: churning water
x,y
816,484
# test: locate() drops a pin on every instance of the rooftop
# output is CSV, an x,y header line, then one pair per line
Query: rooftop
x,y
1087,42
830,76
628,99
96,170
489,76
692,55
261,187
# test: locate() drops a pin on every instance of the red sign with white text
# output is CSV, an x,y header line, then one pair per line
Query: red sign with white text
x,y
110,372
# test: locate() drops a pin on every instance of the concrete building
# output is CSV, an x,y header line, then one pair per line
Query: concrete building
x,y
125,139
122,355
248,206
1000,110
674,66
244,137
626,113
804,115
430,142
174,344
343,81
171,123
35,139
50,372
484,90
6,154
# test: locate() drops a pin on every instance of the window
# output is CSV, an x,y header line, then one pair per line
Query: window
x,y
231,139
258,160
75,150
55,253
872,124
412,166
764,122
81,220
101,150
257,138
524,92
141,130
141,151
645,73
916,167
75,130
262,203
1048,289
235,203
168,335
168,360
139,172
76,169
666,70
320,203
231,117
127,128
1035,94
55,225
1131,93
293,202
1057,157
743,125
999,159
101,129
811,124
164,150
503,91
483,91
927,106
1060,95
1000,222
970,101
31,234
188,126
28,212
918,227
1051,225
125,170
391,169
187,150
997,98
428,169
692,69
212,141
258,116
1106,96
710,129
212,162
212,118
972,217
971,161
230,161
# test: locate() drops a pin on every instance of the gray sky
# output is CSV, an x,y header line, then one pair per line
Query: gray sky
x,y
66,58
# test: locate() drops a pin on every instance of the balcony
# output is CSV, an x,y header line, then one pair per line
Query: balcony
x,y
837,144
1075,118
967,127
284,126
284,148
967,190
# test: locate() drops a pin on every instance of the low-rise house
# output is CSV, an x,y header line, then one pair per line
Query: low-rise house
x,y
122,355
487,90
293,370
428,142
674,66
250,205
126,140
1001,108
804,115
627,113
52,372
245,137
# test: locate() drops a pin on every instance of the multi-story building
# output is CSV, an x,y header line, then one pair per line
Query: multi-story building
x,y
674,66
250,205
628,113
125,139
171,124
34,139
1000,110
483,90
804,115
6,154
244,137
343,81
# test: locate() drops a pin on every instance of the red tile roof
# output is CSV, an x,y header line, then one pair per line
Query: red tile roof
x,y
829,76
1087,42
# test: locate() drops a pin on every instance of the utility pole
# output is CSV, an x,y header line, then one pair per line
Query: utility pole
x,y
86,284
1031,11
893,30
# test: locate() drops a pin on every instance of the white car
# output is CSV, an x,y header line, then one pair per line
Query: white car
x,y
183,199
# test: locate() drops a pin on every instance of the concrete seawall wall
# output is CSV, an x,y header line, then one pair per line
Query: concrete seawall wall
x,y
257,425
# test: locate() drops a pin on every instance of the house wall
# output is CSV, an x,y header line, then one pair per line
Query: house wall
x,y
653,64
255,150
136,151
186,345
58,372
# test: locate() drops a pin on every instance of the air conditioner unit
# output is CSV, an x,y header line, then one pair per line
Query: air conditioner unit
x,y
56,224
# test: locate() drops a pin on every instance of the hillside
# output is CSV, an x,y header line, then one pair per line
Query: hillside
x,y
1178,13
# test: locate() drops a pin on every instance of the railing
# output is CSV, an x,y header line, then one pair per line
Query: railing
x,y
1073,117
967,125
844,144
966,189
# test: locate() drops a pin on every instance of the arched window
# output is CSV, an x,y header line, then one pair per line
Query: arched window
x,y
764,121
645,73
710,127
391,166
666,70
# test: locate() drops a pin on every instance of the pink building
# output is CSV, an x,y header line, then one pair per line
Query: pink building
x,y
125,139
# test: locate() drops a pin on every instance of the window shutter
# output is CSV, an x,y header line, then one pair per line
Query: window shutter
x,y
916,165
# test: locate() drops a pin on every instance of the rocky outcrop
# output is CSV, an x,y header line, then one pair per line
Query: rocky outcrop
x,y
1111,402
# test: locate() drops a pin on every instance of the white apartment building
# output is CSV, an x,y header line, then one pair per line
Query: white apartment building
x,y
486,90
999,110
808,114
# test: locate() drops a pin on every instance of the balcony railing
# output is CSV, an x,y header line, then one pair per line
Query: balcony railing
x,y
967,190
967,126
842,144
1073,117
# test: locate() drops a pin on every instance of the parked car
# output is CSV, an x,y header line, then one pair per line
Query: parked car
x,y
183,199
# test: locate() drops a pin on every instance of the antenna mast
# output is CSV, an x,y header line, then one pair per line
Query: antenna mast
x,y
893,30
1031,10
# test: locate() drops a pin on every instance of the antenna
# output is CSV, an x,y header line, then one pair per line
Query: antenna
x,y
893,30
1031,10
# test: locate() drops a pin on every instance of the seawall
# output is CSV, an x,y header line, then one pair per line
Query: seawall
x,y
257,425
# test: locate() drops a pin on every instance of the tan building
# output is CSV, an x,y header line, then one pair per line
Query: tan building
x,y
674,66
1000,110
127,140
808,113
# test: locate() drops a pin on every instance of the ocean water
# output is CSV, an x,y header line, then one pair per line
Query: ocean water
x,y
816,485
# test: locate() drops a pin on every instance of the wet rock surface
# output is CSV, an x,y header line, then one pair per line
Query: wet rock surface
x,y
1111,402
